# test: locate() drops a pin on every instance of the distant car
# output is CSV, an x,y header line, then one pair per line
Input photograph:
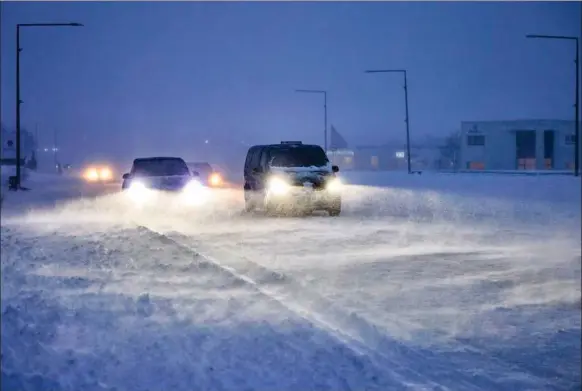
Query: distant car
x,y
291,176
96,173
154,175
208,175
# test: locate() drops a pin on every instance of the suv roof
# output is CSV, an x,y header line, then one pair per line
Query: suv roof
x,y
287,145
149,159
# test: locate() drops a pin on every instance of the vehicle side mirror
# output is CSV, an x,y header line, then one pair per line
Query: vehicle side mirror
x,y
126,176
334,168
195,174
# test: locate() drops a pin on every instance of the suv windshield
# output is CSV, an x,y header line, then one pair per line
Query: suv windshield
x,y
160,167
304,156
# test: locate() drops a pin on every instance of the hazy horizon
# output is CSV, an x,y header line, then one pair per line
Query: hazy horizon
x,y
161,77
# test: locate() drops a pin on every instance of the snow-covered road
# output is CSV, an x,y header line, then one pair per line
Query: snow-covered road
x,y
413,287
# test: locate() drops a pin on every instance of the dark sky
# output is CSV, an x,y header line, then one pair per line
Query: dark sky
x,y
159,77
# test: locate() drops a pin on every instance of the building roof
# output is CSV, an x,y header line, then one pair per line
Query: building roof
x,y
531,120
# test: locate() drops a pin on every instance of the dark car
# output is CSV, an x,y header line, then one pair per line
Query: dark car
x,y
208,174
168,174
291,176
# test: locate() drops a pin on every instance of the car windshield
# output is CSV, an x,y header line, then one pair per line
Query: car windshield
x,y
160,167
304,156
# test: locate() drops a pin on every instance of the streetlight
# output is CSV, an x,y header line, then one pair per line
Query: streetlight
x,y
18,101
403,71
324,112
577,101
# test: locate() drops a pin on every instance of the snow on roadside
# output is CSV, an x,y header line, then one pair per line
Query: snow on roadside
x,y
110,310
438,282
500,283
521,188
45,191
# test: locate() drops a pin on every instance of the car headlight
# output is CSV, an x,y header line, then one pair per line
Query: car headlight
x,y
215,179
105,174
334,185
138,191
91,174
193,186
194,192
278,186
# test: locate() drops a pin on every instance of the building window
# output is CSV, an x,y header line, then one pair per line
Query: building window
x,y
476,140
475,165
526,164
570,139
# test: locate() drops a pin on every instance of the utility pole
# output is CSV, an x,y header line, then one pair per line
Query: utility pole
x,y
577,98
407,124
55,148
18,100
403,71
324,112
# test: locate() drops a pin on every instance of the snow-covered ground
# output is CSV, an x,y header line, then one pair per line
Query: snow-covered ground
x,y
438,281
44,190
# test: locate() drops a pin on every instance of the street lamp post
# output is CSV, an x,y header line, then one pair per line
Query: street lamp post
x,y
18,100
403,71
577,99
324,112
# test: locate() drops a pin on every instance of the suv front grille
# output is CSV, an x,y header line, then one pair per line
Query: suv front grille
x,y
318,183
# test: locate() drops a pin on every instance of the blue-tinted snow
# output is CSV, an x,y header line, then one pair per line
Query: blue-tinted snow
x,y
438,281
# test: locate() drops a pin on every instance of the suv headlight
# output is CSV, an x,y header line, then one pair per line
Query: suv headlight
x,y
334,185
194,192
137,191
278,186
193,187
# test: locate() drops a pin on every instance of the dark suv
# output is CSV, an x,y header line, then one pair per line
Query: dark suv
x,y
291,176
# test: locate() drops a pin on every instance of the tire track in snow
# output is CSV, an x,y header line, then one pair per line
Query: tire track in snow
x,y
351,330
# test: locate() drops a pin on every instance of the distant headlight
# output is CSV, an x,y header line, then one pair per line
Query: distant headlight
x,y
105,174
94,174
91,174
334,185
215,179
278,186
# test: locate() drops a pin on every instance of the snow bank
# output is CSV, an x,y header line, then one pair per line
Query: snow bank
x,y
511,187
48,190
78,314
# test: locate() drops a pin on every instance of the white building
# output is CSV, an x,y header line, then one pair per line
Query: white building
x,y
517,145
